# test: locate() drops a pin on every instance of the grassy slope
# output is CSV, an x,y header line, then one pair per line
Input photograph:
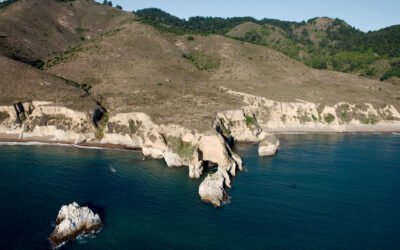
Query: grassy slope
x,y
135,67
36,30
21,82
321,43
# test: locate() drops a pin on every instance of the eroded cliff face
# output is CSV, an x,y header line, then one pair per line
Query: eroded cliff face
x,y
177,145
301,115
180,146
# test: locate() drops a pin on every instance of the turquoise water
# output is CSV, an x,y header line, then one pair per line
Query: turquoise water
x,y
319,192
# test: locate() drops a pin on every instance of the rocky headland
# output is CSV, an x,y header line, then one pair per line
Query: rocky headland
x,y
179,146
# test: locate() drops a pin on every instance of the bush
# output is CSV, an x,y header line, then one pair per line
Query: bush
x,y
181,148
393,72
250,121
202,61
349,61
317,62
39,64
329,118
3,116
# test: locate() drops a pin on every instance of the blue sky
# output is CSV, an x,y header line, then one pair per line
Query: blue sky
x,y
363,14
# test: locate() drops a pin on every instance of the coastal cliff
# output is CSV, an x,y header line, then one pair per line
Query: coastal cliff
x,y
179,146
303,116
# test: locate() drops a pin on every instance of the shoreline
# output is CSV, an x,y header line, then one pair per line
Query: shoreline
x,y
10,140
86,145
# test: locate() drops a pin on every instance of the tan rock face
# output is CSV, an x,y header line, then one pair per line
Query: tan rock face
x,y
269,146
240,124
212,189
177,145
301,115
72,221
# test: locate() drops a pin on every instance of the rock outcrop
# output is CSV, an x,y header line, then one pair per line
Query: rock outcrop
x,y
269,146
178,146
239,125
72,221
212,188
300,115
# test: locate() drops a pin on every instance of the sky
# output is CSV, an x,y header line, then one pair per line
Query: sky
x,y
365,15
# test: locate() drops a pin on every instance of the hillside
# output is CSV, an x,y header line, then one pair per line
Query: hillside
x,y
321,43
127,65
34,31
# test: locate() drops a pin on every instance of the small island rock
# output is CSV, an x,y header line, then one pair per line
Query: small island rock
x,y
72,221
269,146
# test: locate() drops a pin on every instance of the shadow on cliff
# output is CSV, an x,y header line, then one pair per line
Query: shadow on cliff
x,y
97,209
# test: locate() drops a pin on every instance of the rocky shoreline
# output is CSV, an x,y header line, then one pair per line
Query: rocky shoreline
x,y
179,146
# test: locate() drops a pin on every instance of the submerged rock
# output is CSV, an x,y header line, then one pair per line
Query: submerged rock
x,y
72,221
269,146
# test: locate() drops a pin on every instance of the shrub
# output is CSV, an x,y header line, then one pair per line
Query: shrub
x,y
329,118
393,72
3,116
317,62
250,121
182,148
202,61
101,125
39,64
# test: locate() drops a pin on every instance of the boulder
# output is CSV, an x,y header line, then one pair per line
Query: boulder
x,y
212,189
72,221
269,146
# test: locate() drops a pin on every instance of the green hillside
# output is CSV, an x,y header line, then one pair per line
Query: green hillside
x,y
321,43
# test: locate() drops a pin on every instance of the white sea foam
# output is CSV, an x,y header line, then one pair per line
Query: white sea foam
x,y
113,170
227,201
47,144
396,133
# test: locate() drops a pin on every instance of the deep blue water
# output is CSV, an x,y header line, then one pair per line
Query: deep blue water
x,y
319,192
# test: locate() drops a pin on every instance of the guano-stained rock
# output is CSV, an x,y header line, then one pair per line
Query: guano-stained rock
x,y
72,221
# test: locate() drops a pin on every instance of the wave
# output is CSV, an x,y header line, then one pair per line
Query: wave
x,y
396,133
227,201
47,144
113,170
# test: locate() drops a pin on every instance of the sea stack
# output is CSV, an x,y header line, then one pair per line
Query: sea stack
x,y
269,146
212,189
72,221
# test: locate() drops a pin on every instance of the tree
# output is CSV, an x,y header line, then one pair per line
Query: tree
x,y
119,7
110,3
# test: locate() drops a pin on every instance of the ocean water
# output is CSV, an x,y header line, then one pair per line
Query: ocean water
x,y
318,192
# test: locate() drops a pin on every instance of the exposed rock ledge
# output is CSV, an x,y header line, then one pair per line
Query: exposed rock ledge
x,y
178,146
72,221
299,116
